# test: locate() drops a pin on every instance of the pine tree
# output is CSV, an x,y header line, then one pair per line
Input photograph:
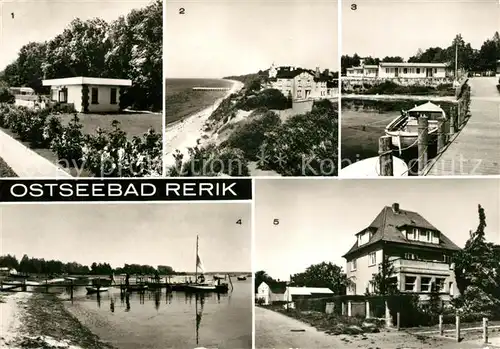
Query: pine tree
x,y
383,282
477,272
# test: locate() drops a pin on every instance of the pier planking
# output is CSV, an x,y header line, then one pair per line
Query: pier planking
x,y
476,149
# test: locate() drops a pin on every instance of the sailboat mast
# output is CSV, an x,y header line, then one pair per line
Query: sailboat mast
x,y
196,269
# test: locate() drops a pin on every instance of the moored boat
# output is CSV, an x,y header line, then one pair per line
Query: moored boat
x,y
371,168
137,288
93,289
241,278
403,130
200,285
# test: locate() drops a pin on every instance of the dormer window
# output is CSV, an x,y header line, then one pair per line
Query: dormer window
x,y
422,235
364,237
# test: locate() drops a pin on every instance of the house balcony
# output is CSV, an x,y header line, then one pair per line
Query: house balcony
x,y
420,266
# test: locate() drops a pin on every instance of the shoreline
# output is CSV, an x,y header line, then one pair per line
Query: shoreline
x,y
35,320
184,134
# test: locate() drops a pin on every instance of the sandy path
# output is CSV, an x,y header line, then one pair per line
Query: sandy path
x,y
10,313
25,162
274,330
184,135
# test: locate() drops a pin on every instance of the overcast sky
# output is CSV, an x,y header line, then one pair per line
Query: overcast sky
x,y
154,234
318,218
220,38
380,28
42,20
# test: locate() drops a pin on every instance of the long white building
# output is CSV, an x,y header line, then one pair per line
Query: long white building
x,y
397,70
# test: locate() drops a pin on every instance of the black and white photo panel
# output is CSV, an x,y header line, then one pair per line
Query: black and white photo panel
x,y
248,94
420,92
81,88
145,275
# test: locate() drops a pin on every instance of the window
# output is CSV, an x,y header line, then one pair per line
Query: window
x,y
113,96
372,258
95,95
435,70
440,284
425,284
450,285
423,235
353,264
446,258
63,96
429,236
410,256
418,70
387,70
410,235
405,70
410,283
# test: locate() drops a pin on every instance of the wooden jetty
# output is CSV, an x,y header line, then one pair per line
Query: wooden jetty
x,y
200,88
474,149
448,132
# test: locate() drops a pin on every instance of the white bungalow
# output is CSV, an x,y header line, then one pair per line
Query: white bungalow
x,y
302,292
411,70
103,93
271,293
363,70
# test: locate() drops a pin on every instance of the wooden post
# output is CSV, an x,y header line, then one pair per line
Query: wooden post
x,y
367,309
423,135
459,114
485,330
385,156
457,328
453,120
441,136
24,285
398,323
349,308
71,288
441,331
388,319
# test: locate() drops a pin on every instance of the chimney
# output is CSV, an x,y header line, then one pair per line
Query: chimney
x,y
317,72
395,207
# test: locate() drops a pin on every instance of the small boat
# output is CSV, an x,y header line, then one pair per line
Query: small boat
x,y
241,278
203,286
371,168
403,130
137,288
92,289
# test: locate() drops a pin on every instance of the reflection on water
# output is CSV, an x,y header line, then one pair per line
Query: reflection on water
x,y
160,319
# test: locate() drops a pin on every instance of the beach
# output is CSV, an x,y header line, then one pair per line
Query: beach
x,y
11,308
30,320
185,134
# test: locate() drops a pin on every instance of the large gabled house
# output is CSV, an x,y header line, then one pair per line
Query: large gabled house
x,y
419,252
301,83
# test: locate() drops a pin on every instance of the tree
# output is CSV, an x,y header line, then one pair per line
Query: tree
x,y
384,282
165,269
477,272
262,276
323,275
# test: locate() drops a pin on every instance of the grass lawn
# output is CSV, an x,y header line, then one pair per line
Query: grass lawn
x,y
5,170
134,124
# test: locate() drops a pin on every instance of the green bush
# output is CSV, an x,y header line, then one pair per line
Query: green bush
x,y
249,136
6,96
305,145
269,98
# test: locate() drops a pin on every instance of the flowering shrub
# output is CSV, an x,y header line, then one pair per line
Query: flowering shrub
x,y
105,154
